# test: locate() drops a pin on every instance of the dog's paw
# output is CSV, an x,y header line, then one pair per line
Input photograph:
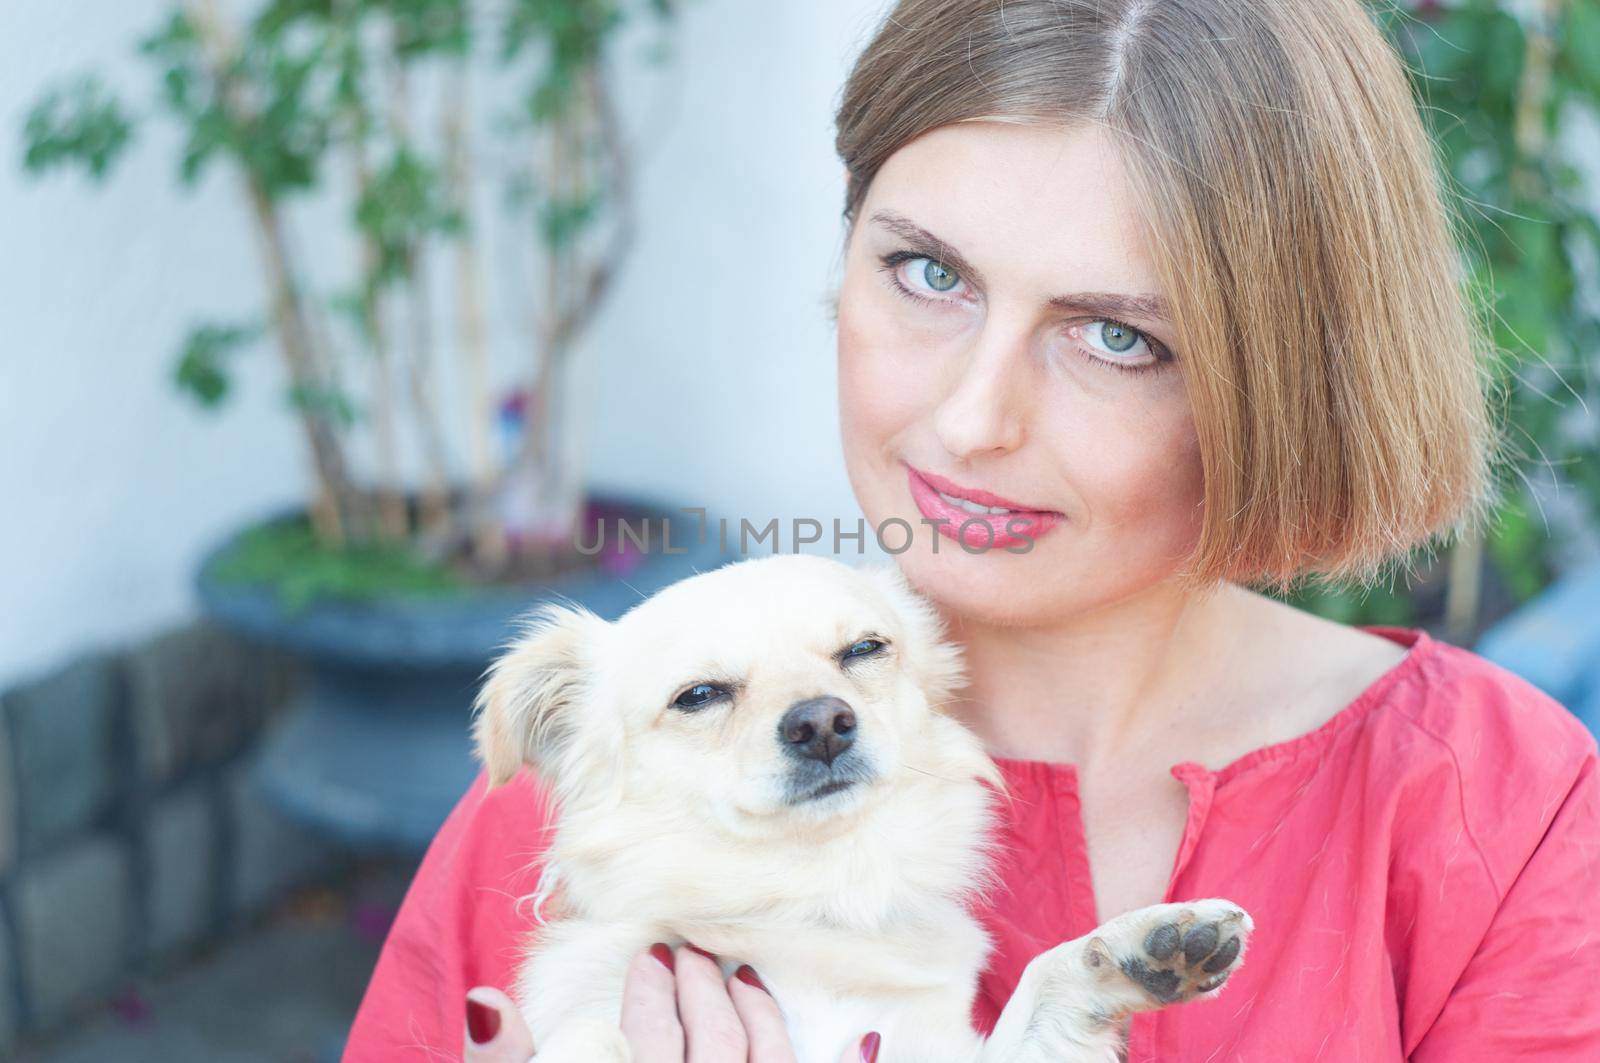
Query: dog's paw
x,y
1170,953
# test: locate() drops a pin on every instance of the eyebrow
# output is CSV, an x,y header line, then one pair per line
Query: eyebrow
x,y
1113,304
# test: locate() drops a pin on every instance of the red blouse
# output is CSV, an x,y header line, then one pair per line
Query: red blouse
x,y
1423,870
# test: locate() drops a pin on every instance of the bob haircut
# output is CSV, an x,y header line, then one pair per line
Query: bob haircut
x,y
1297,214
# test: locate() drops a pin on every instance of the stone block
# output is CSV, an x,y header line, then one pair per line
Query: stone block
x,y
73,911
10,1022
181,853
198,695
63,731
9,812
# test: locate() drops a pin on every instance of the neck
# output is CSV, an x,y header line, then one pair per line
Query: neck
x,y
1095,685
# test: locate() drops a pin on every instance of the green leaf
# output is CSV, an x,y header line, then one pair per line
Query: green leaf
x,y
288,557
175,43
404,203
423,27
1381,604
201,371
78,124
1515,545
1579,42
562,219
324,401
1502,48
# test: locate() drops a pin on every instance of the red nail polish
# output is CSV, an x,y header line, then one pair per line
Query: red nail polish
x,y
701,951
869,1048
663,954
748,976
483,1022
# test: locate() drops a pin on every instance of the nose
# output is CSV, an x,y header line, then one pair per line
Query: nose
x,y
984,412
817,729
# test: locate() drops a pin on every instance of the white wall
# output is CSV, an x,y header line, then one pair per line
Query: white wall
x,y
712,367
710,372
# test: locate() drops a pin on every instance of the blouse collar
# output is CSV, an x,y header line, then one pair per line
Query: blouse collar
x,y
1192,773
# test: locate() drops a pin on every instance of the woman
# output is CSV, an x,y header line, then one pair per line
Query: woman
x,y
1175,277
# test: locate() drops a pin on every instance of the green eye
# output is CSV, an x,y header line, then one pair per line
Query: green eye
x,y
1117,337
938,278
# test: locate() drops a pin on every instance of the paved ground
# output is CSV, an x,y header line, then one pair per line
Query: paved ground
x,y
283,991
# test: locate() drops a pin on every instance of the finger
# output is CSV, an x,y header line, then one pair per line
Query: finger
x,y
496,1031
863,1051
712,1032
650,1008
763,1021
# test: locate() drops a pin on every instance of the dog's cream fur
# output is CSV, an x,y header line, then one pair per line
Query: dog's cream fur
x,y
685,824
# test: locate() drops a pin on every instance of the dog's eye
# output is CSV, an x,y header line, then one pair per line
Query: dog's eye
x,y
698,697
863,648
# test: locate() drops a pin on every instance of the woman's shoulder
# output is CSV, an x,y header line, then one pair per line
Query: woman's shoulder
x,y
1393,680
1456,746
1491,719
497,833
1476,749
474,886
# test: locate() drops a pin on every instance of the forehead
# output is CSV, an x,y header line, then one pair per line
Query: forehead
x,y
1037,206
755,610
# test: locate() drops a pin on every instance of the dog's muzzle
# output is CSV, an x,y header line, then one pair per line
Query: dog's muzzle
x,y
819,735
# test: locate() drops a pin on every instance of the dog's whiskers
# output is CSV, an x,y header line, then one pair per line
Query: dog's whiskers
x,y
930,774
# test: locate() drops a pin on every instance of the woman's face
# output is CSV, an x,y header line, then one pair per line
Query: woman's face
x,y
1000,331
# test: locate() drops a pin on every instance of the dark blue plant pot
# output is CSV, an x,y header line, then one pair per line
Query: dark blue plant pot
x,y
375,750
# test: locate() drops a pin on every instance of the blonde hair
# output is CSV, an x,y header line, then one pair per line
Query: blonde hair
x,y
1297,212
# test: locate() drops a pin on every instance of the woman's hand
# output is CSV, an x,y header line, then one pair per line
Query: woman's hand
x,y
496,1032
675,1008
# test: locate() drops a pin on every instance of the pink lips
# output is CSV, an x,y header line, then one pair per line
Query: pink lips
x,y
977,531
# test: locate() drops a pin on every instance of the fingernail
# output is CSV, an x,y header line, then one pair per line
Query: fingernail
x,y
483,1022
701,951
748,976
869,1048
663,954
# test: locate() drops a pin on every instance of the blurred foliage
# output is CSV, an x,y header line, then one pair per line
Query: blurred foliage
x,y
1496,105
404,202
340,98
200,372
314,79
1385,603
279,138
80,123
332,403
287,557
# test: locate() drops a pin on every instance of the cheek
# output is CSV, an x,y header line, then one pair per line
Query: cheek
x,y
872,413
879,395
1137,468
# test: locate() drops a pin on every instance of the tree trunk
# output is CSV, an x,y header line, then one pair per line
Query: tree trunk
x,y
393,520
333,493
436,517
489,546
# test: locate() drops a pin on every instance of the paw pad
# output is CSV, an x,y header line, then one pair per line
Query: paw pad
x,y
1187,952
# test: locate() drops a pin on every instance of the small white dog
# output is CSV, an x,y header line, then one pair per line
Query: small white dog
x,y
755,760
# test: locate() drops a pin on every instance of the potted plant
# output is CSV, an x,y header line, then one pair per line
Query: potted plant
x,y
1501,82
396,584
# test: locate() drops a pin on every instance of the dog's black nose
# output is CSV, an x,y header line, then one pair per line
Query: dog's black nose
x,y
817,729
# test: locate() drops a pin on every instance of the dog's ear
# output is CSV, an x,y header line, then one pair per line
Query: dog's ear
x,y
527,709
935,662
